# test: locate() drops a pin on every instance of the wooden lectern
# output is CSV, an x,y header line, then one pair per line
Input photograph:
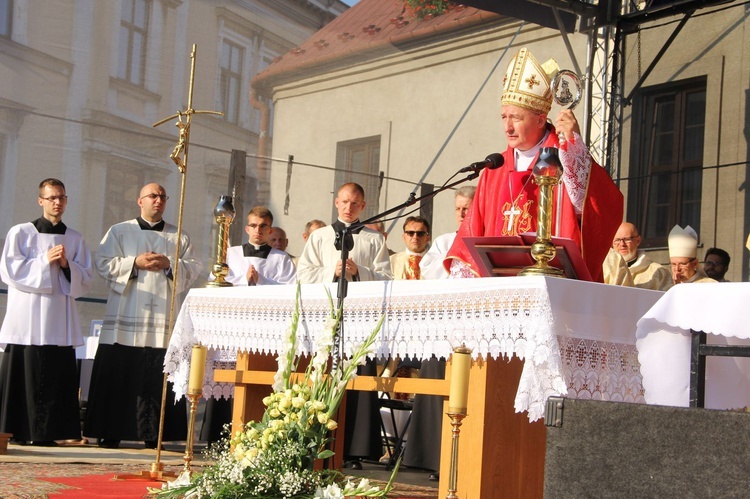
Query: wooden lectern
x,y
502,453
506,256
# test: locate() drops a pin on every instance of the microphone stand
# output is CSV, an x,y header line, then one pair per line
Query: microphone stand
x,y
345,242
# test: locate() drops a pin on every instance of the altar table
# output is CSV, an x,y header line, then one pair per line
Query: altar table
x,y
663,342
576,339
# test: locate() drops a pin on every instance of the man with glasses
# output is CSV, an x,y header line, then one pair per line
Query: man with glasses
x,y
46,266
634,268
136,260
405,264
256,262
716,264
683,248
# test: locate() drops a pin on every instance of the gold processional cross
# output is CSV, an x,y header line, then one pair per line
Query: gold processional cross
x,y
180,157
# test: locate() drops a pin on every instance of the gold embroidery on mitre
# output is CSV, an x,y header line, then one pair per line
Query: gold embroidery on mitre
x,y
532,81
527,83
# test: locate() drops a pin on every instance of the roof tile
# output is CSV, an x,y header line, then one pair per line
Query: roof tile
x,y
367,26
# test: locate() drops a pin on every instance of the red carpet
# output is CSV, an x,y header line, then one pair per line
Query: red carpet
x,y
101,486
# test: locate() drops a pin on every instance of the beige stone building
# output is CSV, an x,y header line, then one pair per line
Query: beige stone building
x,y
394,102
82,84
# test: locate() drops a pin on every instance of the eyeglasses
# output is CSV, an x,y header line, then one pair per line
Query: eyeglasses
x,y
258,226
680,266
153,197
418,233
620,240
709,263
52,199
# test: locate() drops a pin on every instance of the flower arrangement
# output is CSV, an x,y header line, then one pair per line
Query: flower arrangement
x,y
274,458
427,9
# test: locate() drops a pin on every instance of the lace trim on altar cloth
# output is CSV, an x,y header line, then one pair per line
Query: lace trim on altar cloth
x,y
576,160
602,371
493,322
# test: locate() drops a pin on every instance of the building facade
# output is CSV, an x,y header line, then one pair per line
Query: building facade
x,y
394,102
84,82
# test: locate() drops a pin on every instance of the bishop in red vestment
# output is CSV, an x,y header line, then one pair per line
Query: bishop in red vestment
x,y
505,202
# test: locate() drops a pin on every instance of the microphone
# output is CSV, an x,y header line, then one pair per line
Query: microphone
x,y
494,160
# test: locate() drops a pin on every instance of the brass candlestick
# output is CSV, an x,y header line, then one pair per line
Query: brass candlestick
x,y
457,402
224,214
195,391
456,421
188,458
547,173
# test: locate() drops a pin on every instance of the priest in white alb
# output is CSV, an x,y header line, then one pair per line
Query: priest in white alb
x,y
46,266
136,260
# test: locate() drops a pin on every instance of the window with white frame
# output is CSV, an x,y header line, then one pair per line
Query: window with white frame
x,y
134,21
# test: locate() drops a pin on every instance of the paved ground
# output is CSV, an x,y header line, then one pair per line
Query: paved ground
x,y
172,456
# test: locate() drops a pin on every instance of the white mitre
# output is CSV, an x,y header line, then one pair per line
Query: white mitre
x,y
683,242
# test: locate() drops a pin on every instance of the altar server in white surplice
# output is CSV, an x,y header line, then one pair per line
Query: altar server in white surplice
x,y
254,263
368,259
46,266
320,262
135,259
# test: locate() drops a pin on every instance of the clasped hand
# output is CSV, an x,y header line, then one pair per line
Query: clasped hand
x,y
351,268
152,261
57,254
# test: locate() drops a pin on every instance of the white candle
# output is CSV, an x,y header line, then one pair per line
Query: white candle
x,y
197,369
459,391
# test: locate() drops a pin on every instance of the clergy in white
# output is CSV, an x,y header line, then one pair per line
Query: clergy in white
x,y
320,262
256,262
368,260
431,265
634,268
136,260
46,266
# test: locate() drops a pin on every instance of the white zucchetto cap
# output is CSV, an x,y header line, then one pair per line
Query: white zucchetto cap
x,y
683,242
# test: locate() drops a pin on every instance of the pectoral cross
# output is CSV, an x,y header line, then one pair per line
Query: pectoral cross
x,y
511,214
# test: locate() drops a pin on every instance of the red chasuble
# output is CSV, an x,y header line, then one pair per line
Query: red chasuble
x,y
505,203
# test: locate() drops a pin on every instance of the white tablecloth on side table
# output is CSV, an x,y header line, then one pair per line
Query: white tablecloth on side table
x,y
663,341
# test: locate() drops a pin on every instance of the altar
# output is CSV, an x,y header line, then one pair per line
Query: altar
x,y
531,337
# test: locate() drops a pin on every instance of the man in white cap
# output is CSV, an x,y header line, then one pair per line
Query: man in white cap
x,y
506,198
683,251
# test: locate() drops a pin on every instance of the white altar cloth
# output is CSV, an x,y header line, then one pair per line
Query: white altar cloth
x,y
663,341
577,337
